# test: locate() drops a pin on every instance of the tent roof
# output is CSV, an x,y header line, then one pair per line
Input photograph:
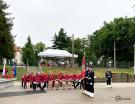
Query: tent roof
x,y
55,53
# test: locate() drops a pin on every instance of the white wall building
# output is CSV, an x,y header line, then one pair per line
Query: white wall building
x,y
18,56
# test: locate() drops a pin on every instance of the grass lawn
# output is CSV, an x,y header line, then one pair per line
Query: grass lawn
x,y
99,72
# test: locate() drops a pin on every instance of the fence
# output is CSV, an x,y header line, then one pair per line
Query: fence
x,y
118,78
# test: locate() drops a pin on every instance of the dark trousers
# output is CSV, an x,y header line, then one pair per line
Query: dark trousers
x,y
74,83
108,81
77,84
34,85
24,86
91,88
42,87
84,84
22,83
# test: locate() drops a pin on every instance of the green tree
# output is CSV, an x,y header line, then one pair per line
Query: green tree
x,y
6,39
28,54
61,41
39,47
121,30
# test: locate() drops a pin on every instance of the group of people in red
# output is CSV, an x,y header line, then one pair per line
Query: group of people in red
x,y
42,80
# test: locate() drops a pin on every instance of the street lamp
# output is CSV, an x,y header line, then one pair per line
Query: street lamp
x,y
115,53
73,51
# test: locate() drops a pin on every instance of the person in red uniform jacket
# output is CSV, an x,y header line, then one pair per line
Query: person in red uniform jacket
x,y
43,80
74,76
38,79
66,78
51,81
33,81
60,78
26,79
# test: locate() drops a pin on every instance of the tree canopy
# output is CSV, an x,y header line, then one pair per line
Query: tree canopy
x,y
28,53
62,41
122,32
6,39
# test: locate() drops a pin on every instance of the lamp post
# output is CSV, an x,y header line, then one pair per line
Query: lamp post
x,y
114,54
73,51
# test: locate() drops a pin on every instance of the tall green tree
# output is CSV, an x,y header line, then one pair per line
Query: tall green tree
x,y
39,47
6,39
62,41
28,54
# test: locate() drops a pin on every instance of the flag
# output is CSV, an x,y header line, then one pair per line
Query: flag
x,y
83,66
4,71
14,70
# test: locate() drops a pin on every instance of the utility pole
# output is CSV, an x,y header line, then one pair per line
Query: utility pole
x,y
114,54
28,70
73,51
134,58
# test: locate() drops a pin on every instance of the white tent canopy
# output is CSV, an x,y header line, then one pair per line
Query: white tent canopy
x,y
56,53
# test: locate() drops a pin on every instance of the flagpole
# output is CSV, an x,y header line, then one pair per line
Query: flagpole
x,y
27,66
40,67
73,51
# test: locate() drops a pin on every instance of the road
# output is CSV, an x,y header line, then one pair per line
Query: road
x,y
103,95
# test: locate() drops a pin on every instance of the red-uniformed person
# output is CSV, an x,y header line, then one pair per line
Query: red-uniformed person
x,y
51,80
33,81
38,79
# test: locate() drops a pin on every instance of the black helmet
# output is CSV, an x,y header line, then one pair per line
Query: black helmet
x,y
88,65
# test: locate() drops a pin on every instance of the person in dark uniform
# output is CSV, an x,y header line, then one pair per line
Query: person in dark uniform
x,y
108,78
89,78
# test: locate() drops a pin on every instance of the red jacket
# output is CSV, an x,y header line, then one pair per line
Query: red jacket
x,y
38,78
33,78
79,76
51,77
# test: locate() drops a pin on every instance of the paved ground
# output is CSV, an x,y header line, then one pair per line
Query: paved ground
x,y
103,95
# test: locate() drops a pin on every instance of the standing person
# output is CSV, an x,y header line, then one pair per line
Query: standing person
x,y
89,75
108,78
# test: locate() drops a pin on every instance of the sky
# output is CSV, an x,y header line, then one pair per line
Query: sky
x,y
41,19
